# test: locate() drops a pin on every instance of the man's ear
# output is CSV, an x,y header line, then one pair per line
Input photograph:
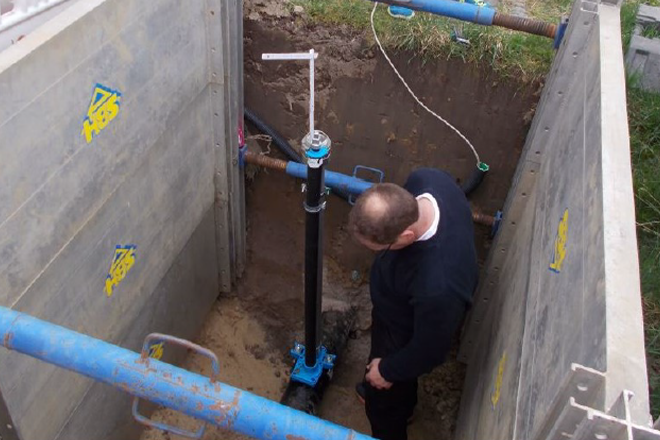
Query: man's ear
x,y
408,236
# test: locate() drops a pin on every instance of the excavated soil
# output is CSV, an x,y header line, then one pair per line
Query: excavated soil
x,y
372,121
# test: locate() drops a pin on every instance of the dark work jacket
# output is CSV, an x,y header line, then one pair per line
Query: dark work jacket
x,y
420,293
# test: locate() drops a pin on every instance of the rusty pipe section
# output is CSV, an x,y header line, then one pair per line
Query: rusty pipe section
x,y
164,384
483,219
281,165
265,161
531,26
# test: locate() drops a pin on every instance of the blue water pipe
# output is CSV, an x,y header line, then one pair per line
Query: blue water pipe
x,y
475,13
448,8
164,384
343,182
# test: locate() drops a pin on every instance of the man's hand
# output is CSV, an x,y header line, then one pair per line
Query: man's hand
x,y
374,378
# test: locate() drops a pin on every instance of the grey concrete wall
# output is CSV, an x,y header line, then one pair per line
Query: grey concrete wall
x,y
149,178
533,319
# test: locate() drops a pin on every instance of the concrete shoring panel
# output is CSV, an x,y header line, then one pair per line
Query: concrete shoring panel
x,y
184,295
146,179
581,302
170,193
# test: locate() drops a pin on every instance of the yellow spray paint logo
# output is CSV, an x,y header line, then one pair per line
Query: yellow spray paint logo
x,y
497,391
559,253
103,109
156,350
123,261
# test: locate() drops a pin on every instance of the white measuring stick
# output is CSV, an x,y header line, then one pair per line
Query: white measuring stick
x,y
310,56
287,56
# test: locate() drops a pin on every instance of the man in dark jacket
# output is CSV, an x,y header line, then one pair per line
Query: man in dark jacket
x,y
421,283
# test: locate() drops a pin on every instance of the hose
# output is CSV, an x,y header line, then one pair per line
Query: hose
x,y
475,179
282,144
278,140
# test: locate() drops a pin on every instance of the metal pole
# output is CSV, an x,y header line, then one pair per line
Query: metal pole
x,y
314,207
214,402
310,366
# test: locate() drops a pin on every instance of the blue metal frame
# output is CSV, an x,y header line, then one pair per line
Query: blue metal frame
x,y
164,384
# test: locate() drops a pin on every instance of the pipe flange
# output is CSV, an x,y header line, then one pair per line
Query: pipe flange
x,y
317,148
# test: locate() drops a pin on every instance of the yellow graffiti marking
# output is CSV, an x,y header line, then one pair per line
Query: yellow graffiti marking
x,y
103,109
156,350
559,254
495,397
122,262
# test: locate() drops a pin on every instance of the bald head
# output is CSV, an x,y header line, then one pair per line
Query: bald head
x,y
383,213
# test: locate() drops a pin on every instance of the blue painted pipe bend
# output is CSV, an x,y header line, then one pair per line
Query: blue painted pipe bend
x,y
449,8
164,384
334,180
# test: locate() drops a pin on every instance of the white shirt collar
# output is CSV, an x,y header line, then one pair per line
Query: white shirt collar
x,y
433,229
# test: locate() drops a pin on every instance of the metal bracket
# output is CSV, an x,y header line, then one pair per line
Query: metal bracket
x,y
144,358
457,36
572,415
310,375
376,175
241,155
499,215
561,31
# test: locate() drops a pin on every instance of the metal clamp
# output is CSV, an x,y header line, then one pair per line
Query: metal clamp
x,y
376,175
144,358
496,224
310,375
561,31
318,208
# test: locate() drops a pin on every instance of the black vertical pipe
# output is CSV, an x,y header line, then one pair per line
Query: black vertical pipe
x,y
314,205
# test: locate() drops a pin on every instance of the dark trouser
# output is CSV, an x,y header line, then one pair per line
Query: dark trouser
x,y
389,410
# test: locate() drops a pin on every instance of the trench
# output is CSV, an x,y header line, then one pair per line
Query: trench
x,y
372,121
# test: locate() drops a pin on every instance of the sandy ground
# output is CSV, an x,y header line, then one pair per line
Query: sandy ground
x,y
246,361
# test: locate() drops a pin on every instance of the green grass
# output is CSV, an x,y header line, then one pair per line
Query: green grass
x,y
651,32
509,53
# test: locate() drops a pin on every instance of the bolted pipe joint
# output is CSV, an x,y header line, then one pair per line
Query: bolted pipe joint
x,y
317,148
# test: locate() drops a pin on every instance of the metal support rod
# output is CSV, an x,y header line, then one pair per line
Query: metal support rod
x,y
314,206
476,14
164,384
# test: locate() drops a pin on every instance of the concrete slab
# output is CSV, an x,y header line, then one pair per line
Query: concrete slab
x,y
643,57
